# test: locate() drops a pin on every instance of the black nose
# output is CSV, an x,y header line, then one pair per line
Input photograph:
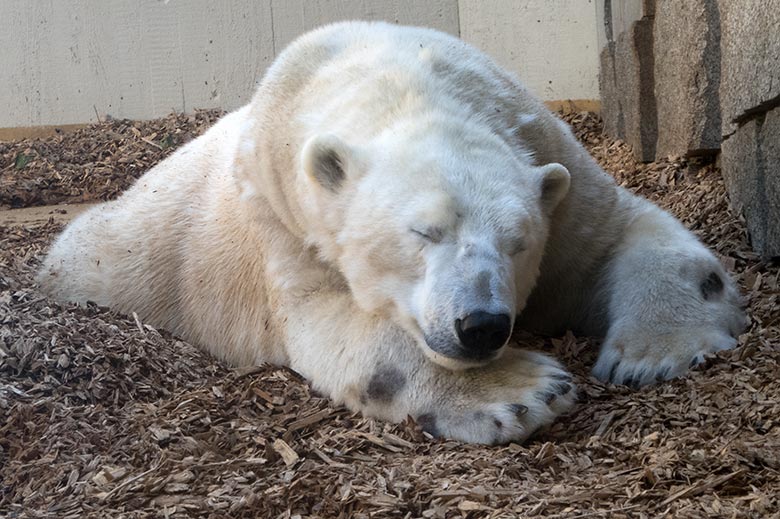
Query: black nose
x,y
483,332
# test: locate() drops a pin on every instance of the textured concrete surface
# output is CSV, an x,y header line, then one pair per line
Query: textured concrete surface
x,y
750,112
750,82
72,62
551,46
611,96
687,77
626,84
751,168
715,75
618,15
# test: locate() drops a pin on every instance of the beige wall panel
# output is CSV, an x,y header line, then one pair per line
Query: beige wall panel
x,y
66,61
294,17
63,61
622,14
551,45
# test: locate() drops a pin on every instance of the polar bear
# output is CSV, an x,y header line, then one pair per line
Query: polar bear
x,y
380,217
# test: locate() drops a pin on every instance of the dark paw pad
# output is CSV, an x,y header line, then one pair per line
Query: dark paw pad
x,y
711,286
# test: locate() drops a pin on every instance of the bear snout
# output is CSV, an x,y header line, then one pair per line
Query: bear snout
x,y
483,332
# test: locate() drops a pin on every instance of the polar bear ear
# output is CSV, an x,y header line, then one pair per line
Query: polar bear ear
x,y
326,160
554,185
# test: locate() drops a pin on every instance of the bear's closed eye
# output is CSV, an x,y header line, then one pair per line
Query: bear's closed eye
x,y
711,286
517,246
431,234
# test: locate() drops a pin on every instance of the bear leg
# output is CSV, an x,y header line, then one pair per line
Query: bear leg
x,y
670,303
373,367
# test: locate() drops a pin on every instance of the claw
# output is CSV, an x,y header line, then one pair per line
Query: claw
x,y
561,388
662,375
634,381
518,409
612,371
427,423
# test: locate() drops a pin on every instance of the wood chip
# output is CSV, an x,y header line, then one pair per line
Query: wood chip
x,y
289,456
102,416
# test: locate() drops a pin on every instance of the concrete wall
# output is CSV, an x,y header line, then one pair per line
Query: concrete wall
x,y
626,73
701,78
750,116
68,62
551,45
617,15
63,61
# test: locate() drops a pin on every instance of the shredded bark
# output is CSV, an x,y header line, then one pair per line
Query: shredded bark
x,y
102,415
93,163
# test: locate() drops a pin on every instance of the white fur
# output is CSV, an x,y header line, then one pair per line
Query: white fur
x,y
383,183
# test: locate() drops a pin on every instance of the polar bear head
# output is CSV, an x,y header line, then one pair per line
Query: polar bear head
x,y
437,224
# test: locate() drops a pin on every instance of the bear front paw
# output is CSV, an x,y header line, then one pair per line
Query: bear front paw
x,y
636,358
502,410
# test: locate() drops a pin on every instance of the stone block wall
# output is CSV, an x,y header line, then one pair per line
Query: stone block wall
x,y
687,77
750,109
750,163
750,46
626,79
702,78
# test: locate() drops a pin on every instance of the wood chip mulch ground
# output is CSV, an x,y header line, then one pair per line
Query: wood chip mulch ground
x,y
104,416
94,163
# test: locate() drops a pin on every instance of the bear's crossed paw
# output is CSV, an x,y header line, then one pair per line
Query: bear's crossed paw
x,y
523,392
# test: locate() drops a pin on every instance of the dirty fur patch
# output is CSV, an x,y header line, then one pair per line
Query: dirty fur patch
x,y
385,384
